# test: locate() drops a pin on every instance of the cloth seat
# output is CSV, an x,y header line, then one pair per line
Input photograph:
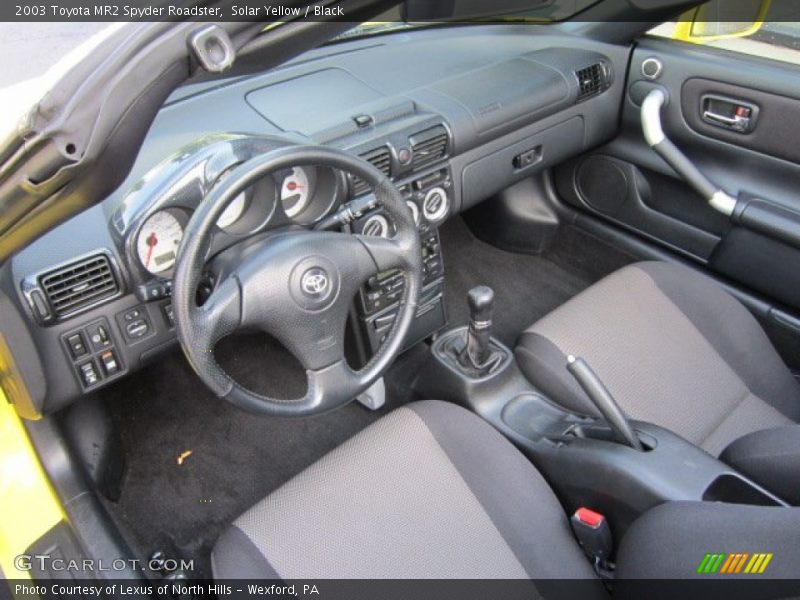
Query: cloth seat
x,y
432,491
673,347
429,491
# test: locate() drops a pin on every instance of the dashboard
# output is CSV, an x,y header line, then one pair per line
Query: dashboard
x,y
452,115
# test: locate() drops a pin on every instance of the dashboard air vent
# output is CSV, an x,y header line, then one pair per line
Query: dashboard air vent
x,y
381,159
75,286
428,146
592,80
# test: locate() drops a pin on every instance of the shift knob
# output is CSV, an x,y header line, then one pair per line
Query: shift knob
x,y
477,350
481,302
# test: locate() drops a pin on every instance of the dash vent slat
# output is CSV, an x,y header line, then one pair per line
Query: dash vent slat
x,y
592,80
429,146
381,159
78,285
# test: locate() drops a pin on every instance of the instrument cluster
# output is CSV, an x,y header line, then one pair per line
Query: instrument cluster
x,y
301,195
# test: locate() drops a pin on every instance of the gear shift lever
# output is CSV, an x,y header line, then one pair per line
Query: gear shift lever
x,y
477,352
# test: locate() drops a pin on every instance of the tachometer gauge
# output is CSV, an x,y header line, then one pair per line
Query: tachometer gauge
x,y
295,192
159,238
233,212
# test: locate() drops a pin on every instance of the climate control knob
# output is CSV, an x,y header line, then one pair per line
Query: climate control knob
x,y
436,205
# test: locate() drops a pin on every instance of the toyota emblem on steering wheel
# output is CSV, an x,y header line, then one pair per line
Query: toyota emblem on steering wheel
x,y
315,283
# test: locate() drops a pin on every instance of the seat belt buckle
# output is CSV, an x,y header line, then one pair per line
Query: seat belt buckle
x,y
594,536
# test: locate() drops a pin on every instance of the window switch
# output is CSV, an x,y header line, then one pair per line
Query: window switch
x,y
110,362
88,374
77,346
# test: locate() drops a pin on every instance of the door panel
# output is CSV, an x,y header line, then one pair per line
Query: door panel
x,y
761,164
775,130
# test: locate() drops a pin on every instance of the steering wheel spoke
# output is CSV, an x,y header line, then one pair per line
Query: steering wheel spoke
x,y
317,340
333,385
386,253
219,316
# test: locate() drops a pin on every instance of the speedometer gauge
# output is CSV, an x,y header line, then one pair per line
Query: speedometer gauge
x,y
233,211
158,241
295,192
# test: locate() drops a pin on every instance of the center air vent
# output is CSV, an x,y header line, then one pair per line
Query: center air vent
x,y
428,146
376,226
592,80
78,285
381,159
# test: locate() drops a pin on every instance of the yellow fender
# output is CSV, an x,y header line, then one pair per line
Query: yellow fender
x,y
28,503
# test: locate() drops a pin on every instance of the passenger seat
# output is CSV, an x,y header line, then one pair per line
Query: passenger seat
x,y
675,349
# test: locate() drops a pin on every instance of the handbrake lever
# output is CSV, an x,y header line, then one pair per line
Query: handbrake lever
x,y
604,401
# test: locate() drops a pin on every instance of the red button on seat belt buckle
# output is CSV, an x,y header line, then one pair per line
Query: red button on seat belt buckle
x,y
594,535
589,517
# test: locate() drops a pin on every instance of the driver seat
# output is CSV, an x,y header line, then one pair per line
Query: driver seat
x,y
433,491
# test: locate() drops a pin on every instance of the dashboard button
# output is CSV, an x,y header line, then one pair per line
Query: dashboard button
x,y
169,315
77,346
109,362
88,374
137,329
132,315
98,336
40,306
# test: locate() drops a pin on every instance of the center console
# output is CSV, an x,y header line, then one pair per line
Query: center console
x,y
618,467
429,198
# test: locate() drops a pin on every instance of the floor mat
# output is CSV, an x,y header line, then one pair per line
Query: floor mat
x,y
236,458
526,287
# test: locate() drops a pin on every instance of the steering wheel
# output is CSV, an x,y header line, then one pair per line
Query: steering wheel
x,y
297,287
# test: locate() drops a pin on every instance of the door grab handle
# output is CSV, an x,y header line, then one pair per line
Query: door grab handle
x,y
654,134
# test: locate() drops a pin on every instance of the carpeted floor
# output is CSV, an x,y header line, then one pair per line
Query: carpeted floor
x,y
237,458
526,287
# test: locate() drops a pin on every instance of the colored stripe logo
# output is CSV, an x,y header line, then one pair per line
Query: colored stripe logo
x,y
737,562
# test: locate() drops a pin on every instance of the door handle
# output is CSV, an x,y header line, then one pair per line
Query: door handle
x,y
728,113
736,122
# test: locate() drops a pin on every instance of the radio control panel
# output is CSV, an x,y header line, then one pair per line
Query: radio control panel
x,y
384,289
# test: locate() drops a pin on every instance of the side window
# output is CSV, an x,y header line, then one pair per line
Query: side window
x,y
766,28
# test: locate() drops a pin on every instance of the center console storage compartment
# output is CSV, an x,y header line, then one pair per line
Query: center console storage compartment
x,y
586,467
734,489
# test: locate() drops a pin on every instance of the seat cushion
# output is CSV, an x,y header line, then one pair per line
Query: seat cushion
x,y
429,491
673,347
671,540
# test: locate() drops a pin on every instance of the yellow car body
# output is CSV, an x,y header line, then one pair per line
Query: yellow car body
x,y
28,502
